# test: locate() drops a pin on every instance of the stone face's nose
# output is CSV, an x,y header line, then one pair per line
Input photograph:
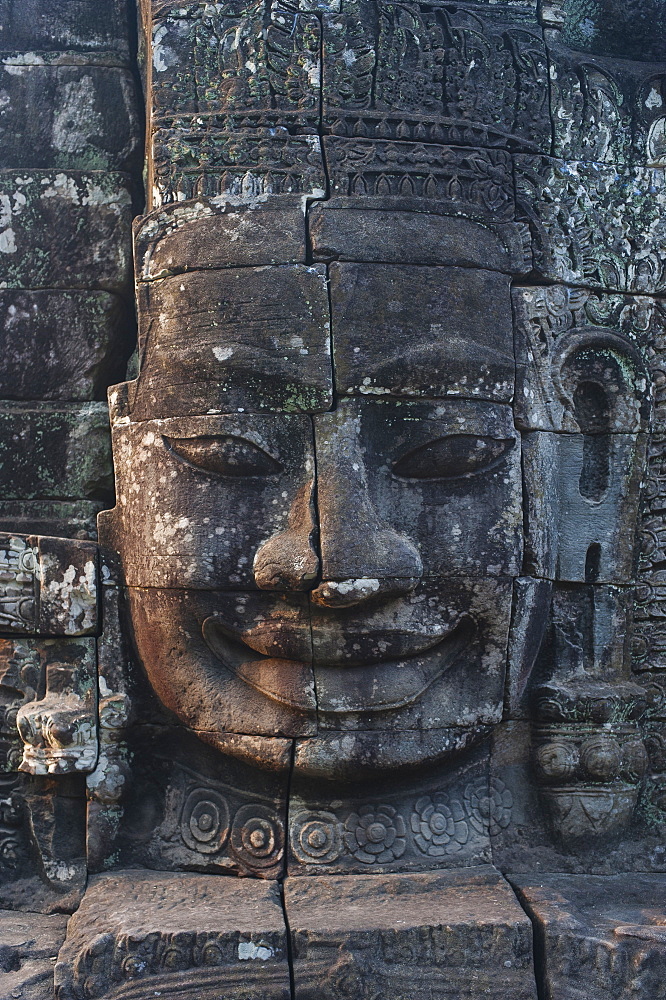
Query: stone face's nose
x,y
361,556
289,561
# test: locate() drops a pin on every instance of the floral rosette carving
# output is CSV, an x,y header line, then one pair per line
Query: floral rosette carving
x,y
375,835
316,837
132,967
439,826
204,824
10,849
210,952
257,837
175,958
488,803
140,956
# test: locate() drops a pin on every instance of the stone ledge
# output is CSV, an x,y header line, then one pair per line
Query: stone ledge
x,y
440,936
142,934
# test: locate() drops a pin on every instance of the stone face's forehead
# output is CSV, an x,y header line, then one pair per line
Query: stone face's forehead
x,y
259,339
422,331
241,339
379,133
274,336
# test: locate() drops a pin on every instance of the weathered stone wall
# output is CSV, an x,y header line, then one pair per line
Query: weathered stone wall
x,y
71,136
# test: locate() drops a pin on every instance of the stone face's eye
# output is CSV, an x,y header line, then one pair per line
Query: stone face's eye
x,y
223,455
452,457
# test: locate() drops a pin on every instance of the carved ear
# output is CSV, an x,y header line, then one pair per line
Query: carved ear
x,y
601,381
583,473
600,454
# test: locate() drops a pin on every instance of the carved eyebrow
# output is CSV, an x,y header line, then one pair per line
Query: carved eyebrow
x,y
419,423
405,365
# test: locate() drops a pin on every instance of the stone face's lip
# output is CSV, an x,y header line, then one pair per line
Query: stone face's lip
x,y
391,684
355,649
344,645
378,687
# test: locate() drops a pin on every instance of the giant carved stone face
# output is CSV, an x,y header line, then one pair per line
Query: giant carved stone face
x,y
348,569
344,472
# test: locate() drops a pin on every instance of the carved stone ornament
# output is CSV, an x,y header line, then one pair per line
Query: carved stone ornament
x,y
344,619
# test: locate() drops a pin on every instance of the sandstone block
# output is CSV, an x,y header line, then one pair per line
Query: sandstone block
x,y
29,948
42,217
180,934
600,936
431,935
205,234
55,451
242,340
85,26
66,345
80,117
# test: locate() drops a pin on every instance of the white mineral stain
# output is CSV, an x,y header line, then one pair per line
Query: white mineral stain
x,y
247,949
312,69
374,390
106,774
58,871
7,241
654,99
77,594
350,586
96,195
236,201
163,56
9,208
61,186
76,119
223,353
16,65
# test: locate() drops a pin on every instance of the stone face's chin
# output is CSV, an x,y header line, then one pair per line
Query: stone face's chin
x,y
383,684
343,757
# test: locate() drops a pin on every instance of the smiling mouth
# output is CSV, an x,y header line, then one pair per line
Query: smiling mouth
x,y
391,683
